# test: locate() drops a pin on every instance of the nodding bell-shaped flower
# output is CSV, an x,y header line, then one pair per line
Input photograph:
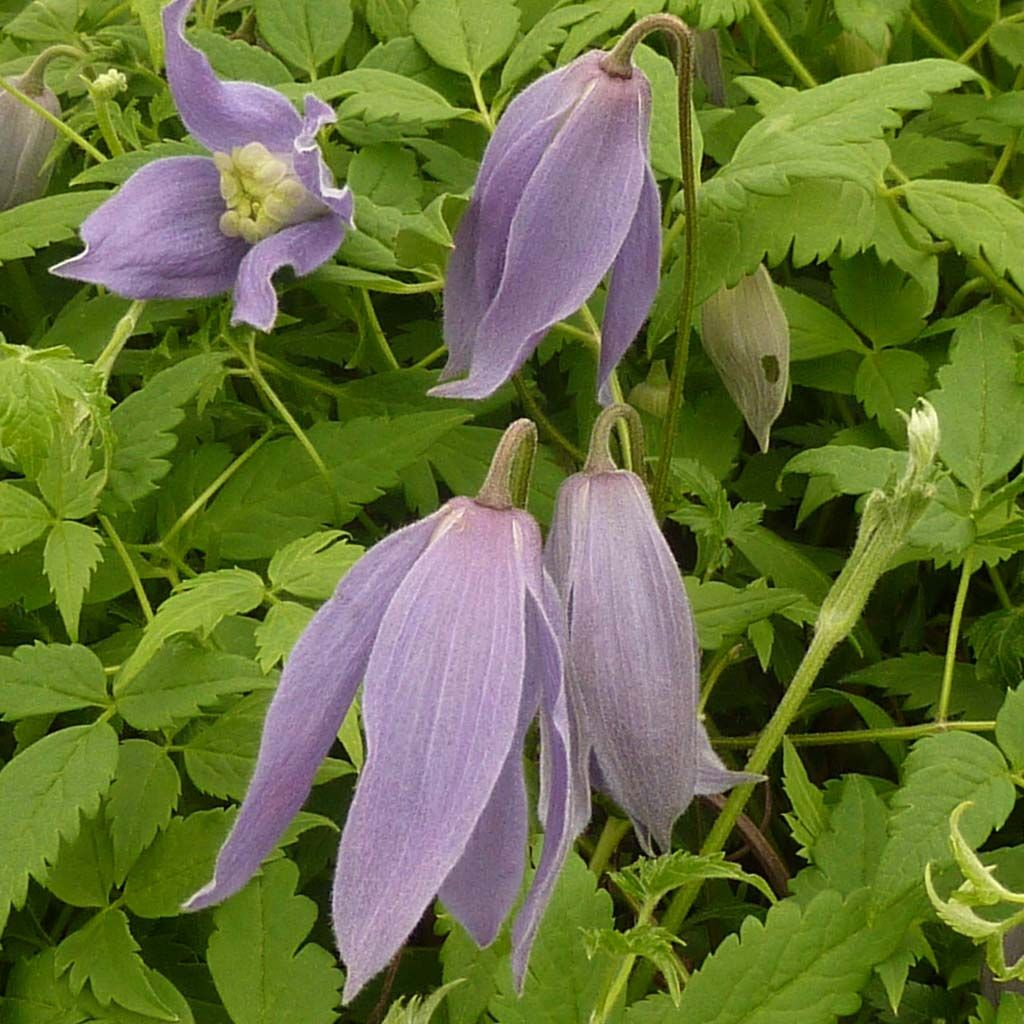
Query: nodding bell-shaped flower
x,y
565,194
456,632
26,138
633,659
190,227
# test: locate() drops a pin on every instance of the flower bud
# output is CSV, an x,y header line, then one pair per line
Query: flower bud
x,y
651,395
109,84
746,336
25,142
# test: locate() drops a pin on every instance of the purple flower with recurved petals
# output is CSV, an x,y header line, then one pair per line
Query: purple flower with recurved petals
x,y
633,659
456,632
191,227
565,194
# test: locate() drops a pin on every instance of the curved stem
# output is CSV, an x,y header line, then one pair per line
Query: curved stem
x,y
533,409
953,640
129,567
378,332
611,835
64,129
825,739
122,332
771,31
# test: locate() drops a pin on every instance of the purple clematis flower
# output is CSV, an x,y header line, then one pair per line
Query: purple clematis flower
x,y
633,658
456,632
565,194
190,227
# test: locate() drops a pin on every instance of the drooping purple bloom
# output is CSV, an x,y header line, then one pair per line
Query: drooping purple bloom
x,y
456,632
633,659
565,194
25,141
191,227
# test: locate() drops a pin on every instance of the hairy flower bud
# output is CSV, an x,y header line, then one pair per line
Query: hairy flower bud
x,y
25,142
109,84
746,336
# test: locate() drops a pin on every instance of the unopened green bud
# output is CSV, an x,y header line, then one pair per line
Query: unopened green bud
x,y
109,84
746,336
25,142
854,54
923,435
651,395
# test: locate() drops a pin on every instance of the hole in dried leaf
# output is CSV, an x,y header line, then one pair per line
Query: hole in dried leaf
x,y
770,365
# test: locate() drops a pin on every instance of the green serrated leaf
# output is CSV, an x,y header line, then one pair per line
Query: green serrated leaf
x,y
723,611
562,985
220,757
32,226
980,402
312,566
104,955
980,220
82,874
196,606
1010,728
180,680
23,518
530,51
43,792
812,962
237,59
941,772
888,381
468,36
305,32
178,864
144,422
282,979
279,630
809,818
142,798
47,679
648,881
279,496
71,554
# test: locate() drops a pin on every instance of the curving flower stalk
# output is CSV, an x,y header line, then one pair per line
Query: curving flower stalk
x,y
190,227
456,632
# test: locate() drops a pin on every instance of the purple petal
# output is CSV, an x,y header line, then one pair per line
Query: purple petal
x,y
475,267
442,696
159,236
563,237
633,284
317,686
565,794
482,887
309,161
631,647
221,115
712,775
303,246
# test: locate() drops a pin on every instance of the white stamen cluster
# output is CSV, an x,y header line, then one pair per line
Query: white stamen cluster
x,y
262,193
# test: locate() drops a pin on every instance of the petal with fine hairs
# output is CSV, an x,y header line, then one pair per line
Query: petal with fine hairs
x,y
303,246
317,686
221,115
633,284
159,236
631,647
563,236
441,703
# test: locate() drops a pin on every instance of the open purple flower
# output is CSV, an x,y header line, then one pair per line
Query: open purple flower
x,y
456,632
190,227
565,194
633,659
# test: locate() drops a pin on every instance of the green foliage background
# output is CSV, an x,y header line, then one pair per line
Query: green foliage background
x,y
166,532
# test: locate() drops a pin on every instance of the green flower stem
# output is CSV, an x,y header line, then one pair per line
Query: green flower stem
x,y
378,332
593,342
535,412
129,566
430,358
252,364
999,587
612,834
122,332
66,130
619,61
904,733
925,32
771,31
106,126
507,484
946,693
165,542
481,105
